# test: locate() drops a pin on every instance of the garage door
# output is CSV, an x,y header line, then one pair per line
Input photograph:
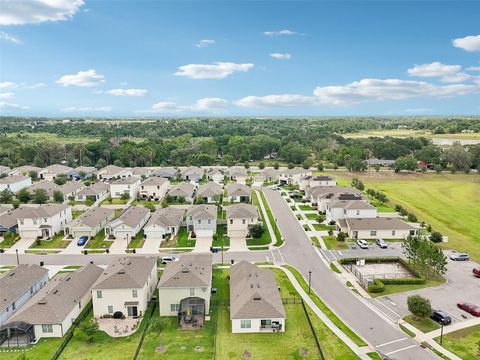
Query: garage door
x,y
123,234
238,234
154,234
28,234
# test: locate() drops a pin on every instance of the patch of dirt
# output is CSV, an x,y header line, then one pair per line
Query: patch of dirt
x,y
160,349
198,348
246,355
303,352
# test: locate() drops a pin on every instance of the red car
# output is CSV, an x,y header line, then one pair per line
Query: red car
x,y
476,272
470,308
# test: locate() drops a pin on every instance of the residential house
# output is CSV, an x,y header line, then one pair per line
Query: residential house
x,y
126,185
216,175
380,162
167,172
292,176
15,183
25,170
94,192
153,188
325,199
71,188
313,181
43,221
51,172
193,174
142,172
8,221
376,228
314,194
255,302
341,209
112,172
89,223
210,192
128,224
238,173
163,222
240,217
202,220
182,192
238,193
18,286
54,308
126,286
270,175
82,172
189,277
48,186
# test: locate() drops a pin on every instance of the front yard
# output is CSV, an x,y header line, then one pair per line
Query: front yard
x,y
424,325
333,244
464,343
179,240
137,241
113,201
9,241
56,242
98,242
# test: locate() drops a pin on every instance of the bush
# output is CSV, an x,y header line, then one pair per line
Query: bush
x,y
436,237
376,287
419,306
412,217
341,236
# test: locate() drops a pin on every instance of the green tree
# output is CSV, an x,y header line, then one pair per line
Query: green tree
x,y
436,237
87,330
24,196
257,231
261,166
341,236
276,165
419,306
457,157
33,174
40,196
60,179
6,196
125,197
356,165
407,163
58,196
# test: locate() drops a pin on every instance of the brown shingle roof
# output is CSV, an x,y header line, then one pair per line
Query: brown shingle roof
x,y
378,223
235,189
209,190
190,271
202,212
166,217
242,211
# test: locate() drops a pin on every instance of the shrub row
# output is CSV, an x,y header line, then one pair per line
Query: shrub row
x,y
376,287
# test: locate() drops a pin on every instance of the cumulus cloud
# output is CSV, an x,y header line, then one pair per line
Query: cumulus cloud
x,y
473,68
419,110
283,100
87,109
201,105
17,12
217,70
7,85
281,56
11,106
7,95
468,43
456,78
204,43
82,78
435,69
127,92
284,32
9,38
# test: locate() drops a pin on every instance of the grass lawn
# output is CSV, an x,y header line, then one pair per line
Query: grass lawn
x,y
315,241
137,241
77,213
448,202
182,240
381,207
113,201
57,242
463,343
332,243
8,243
221,237
374,356
98,242
424,325
44,349
304,207
323,227
278,240
312,216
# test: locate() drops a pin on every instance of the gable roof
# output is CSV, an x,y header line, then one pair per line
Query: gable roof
x,y
154,181
183,189
378,223
126,273
17,281
126,181
71,186
35,212
169,216
170,171
215,171
8,219
110,170
85,169
209,189
93,217
56,169
235,189
351,204
320,190
46,185
202,211
130,217
190,270
95,189
25,169
53,303
237,171
141,171
254,293
242,211
193,170
12,179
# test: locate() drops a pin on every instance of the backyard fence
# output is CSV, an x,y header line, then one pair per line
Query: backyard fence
x,y
147,319
317,342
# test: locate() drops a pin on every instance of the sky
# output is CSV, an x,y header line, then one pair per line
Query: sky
x,y
76,58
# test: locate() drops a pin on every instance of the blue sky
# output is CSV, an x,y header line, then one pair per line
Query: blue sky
x,y
161,58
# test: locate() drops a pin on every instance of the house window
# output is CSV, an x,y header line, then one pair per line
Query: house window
x,y
265,322
134,293
34,221
21,221
209,221
231,221
373,233
174,307
110,309
31,290
192,291
99,294
199,221
47,328
358,212
243,221
13,306
245,324
393,232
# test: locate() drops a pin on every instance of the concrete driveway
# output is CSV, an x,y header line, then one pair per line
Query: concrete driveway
x,y
461,286
238,244
202,244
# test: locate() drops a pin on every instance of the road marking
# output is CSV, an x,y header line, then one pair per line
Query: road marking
x,y
392,342
388,308
340,253
402,349
281,256
273,256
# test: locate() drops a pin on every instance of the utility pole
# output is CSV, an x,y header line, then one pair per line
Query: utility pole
x,y
441,336
18,260
309,281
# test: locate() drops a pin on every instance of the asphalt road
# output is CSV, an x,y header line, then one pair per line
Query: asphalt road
x,y
358,314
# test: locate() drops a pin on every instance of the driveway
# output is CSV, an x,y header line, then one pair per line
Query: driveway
x,y
151,245
238,244
203,244
461,286
21,245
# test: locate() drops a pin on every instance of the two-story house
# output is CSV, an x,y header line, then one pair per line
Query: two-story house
x,y
202,220
43,221
153,188
341,209
240,217
126,185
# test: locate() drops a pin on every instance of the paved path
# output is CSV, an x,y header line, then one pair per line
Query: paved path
x,y
265,216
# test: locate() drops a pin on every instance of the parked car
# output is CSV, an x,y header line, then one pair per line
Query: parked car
x,y
441,317
476,272
166,259
82,241
459,257
362,243
382,243
470,308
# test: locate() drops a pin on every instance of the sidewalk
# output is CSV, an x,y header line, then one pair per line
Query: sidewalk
x,y
267,220
453,327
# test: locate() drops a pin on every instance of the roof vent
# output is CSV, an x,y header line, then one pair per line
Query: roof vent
x,y
42,302
121,272
257,298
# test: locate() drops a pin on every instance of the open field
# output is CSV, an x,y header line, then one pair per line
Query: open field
x,y
464,343
45,136
449,202
411,133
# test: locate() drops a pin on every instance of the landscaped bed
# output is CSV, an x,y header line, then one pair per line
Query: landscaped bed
x,y
304,207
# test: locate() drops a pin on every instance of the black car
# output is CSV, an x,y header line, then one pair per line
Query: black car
x,y
441,317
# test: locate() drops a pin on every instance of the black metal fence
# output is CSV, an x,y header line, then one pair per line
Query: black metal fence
x,y
317,342
147,319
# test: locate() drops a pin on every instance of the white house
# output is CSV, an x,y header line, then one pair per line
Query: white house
x,y
43,221
15,183
142,172
292,176
376,228
342,209
49,186
54,308
126,185
189,277
89,223
183,191
216,175
128,224
163,222
192,173
270,175
71,188
25,170
153,188
312,181
51,172
126,286
210,192
202,219
240,217
238,173
94,192
255,302
18,286
238,193
111,172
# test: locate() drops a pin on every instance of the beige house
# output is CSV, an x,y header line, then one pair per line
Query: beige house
x,y
255,302
292,176
126,285
94,192
240,217
163,222
312,181
128,224
111,172
142,172
51,172
238,193
189,277
192,173
270,175
43,221
25,170
126,185
183,191
202,220
216,175
15,183
376,228
342,209
210,192
153,188
89,223
49,186
71,188
238,173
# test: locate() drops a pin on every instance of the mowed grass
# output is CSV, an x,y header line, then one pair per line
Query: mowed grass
x,y
44,349
424,325
448,202
464,343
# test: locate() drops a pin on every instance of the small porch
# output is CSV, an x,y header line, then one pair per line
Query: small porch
x,y
191,313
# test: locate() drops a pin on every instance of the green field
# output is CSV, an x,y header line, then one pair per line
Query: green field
x,y
410,133
45,136
448,202
465,343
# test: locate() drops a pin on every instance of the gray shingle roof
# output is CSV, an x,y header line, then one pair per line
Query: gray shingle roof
x,y
95,189
166,217
183,189
46,185
94,216
17,281
12,179
202,212
235,189
56,169
209,190
125,181
154,181
254,293
242,211
130,217
126,273
25,169
189,271
35,212
237,171
8,219
110,170
378,223
351,204
71,186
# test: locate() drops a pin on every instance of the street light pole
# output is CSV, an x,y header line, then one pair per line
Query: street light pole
x,y
18,260
309,281
441,336
127,242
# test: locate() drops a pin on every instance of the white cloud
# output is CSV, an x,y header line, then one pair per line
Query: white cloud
x,y
473,68
87,109
456,78
10,106
435,69
82,78
127,92
281,32
217,70
210,104
204,43
36,86
7,95
201,105
419,110
18,12
281,56
9,38
7,85
468,43
284,100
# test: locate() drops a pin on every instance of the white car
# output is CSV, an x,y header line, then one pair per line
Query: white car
x,y
362,243
166,259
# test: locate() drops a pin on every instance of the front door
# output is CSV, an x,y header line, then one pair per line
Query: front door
x,y
132,311
355,234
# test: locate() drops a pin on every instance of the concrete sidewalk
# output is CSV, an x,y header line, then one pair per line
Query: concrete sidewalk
x,y
267,220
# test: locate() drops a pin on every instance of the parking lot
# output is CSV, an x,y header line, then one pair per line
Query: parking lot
x,y
354,251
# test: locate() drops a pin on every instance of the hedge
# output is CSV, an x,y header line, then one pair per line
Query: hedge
x,y
376,287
